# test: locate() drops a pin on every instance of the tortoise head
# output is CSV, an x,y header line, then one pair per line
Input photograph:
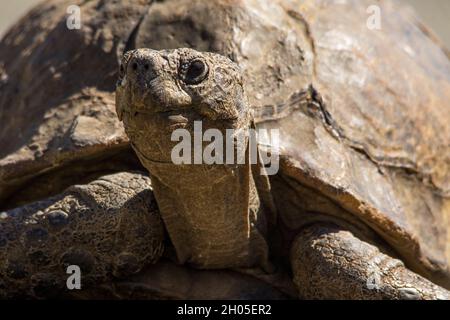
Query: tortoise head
x,y
181,80
160,91
211,210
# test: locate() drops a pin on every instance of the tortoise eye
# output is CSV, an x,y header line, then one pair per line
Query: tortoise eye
x,y
196,72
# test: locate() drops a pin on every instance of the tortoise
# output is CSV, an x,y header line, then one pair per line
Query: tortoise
x,y
359,208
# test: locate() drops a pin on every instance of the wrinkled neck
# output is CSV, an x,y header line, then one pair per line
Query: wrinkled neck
x,y
212,213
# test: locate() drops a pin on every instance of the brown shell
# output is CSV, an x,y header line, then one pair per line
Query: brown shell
x,y
364,114
57,96
373,135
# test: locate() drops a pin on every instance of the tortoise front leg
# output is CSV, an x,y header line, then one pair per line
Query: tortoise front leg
x,y
331,263
109,227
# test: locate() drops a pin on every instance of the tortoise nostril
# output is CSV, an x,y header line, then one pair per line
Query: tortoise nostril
x,y
134,66
147,66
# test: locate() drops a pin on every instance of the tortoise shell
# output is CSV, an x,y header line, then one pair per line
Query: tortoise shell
x,y
363,114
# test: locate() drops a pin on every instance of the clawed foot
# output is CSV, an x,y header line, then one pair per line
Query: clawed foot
x,y
109,227
331,263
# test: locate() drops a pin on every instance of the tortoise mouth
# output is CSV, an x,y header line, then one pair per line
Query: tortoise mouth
x,y
174,119
181,115
153,112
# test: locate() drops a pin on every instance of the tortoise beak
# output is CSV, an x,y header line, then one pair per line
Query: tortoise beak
x,y
142,74
150,84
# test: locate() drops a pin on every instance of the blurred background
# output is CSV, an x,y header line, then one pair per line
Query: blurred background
x,y
435,13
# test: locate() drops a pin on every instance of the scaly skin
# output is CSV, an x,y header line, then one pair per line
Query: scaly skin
x,y
109,227
331,263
